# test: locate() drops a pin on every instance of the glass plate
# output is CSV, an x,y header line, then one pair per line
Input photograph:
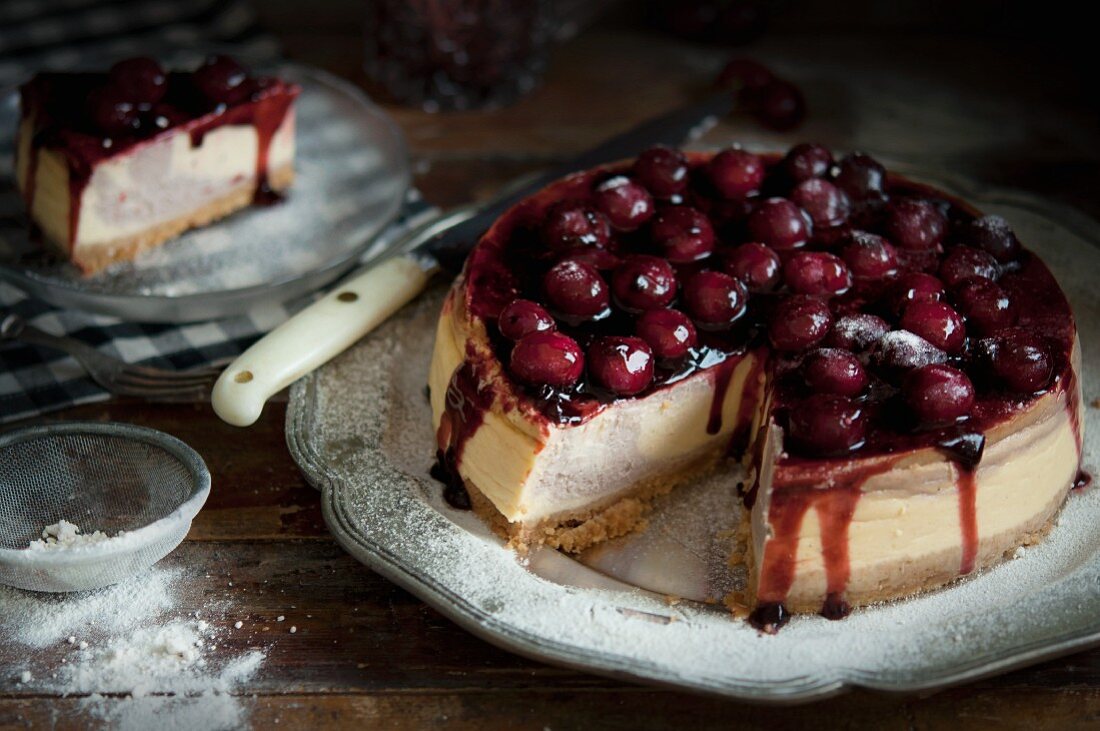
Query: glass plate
x,y
360,430
352,175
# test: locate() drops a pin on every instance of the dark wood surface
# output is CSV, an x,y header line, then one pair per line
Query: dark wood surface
x,y
369,654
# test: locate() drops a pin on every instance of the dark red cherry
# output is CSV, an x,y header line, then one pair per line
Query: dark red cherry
x,y
826,425
780,224
857,332
861,177
900,351
937,323
683,233
831,370
670,333
663,170
756,265
576,289
868,256
744,74
799,322
915,287
626,203
715,300
781,106
826,204
140,80
985,305
523,317
1019,361
571,226
993,235
643,283
806,161
623,365
547,358
915,224
817,273
964,262
221,79
938,394
111,113
736,173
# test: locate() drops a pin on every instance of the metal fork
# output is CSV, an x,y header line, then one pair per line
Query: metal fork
x,y
116,375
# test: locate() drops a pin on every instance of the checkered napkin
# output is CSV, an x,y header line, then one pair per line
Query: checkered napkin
x,y
57,34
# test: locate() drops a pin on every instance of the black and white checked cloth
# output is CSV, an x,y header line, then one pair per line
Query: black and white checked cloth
x,y
58,34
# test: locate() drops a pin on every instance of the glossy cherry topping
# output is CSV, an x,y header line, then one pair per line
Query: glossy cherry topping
x,y
857,333
826,425
623,365
861,177
868,256
937,323
915,224
818,273
643,283
570,226
523,317
964,262
916,287
547,358
683,233
780,224
756,265
831,370
826,204
112,112
938,394
806,161
670,333
1020,362
993,235
663,171
576,290
736,173
799,322
139,80
715,300
221,79
626,203
986,305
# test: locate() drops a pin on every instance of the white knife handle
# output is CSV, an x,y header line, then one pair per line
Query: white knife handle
x,y
314,336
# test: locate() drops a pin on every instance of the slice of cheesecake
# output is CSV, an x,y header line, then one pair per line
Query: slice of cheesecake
x,y
896,372
116,163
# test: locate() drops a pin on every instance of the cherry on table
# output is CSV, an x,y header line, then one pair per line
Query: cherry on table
x,y
670,333
522,317
799,322
547,358
826,425
938,394
643,283
683,233
576,289
623,365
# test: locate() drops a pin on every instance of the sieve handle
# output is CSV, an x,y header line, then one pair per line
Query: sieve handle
x,y
316,335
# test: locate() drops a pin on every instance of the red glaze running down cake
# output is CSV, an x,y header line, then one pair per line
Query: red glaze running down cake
x,y
111,164
896,372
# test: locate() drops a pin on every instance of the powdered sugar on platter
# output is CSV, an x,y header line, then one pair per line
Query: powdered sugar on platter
x,y
361,429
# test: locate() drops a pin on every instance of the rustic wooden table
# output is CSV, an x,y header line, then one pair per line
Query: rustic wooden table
x,y
367,653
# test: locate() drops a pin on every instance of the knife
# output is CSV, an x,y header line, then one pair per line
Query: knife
x,y
367,298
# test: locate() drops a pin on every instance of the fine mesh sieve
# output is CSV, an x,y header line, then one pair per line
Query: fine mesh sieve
x,y
101,476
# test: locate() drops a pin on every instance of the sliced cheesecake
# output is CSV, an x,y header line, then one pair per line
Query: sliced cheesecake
x,y
896,372
111,164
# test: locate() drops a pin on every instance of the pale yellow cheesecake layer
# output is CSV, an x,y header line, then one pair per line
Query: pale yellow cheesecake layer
x,y
533,471
906,534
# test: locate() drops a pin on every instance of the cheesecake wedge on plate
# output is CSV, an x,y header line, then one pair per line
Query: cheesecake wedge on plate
x,y
895,371
112,164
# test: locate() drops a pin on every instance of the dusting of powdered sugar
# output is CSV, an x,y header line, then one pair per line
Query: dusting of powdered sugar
x,y
362,425
64,535
132,656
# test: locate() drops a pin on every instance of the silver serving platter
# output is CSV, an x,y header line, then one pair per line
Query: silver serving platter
x,y
352,175
360,430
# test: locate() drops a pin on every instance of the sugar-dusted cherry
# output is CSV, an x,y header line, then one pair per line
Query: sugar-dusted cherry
x,y
857,332
832,370
964,262
936,322
799,322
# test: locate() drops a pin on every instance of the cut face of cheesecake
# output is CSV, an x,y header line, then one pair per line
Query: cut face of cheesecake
x,y
116,163
896,372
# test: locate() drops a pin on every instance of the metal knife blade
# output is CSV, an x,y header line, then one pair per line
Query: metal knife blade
x,y
450,246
